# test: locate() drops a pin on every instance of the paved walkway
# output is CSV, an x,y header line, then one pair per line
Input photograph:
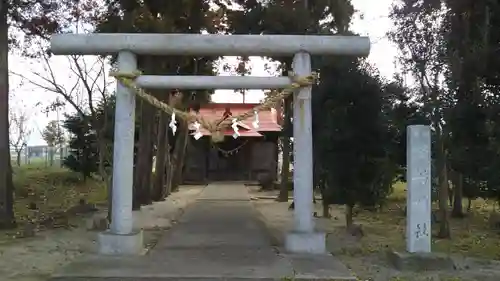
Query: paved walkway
x,y
219,237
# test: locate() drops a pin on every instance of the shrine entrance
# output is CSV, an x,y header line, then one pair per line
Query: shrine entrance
x,y
121,238
227,160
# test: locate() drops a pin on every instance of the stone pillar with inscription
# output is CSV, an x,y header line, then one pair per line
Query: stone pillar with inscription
x,y
418,200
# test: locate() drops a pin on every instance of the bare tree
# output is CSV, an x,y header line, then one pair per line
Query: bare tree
x,y
419,37
84,85
19,131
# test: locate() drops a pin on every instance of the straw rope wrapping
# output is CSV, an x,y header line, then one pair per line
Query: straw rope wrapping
x,y
215,127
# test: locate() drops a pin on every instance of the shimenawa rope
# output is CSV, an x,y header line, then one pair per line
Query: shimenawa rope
x,y
215,127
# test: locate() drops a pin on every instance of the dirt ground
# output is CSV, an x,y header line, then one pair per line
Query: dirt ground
x,y
473,245
34,259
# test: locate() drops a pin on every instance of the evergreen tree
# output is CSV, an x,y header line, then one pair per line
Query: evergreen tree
x,y
355,150
289,17
83,142
83,151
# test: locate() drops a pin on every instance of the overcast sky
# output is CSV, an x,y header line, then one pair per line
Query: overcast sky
x,y
374,23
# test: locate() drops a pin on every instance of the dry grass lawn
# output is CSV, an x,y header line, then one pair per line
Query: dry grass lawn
x,y
52,190
385,230
471,236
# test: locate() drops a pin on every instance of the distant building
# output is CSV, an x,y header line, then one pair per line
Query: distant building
x,y
37,151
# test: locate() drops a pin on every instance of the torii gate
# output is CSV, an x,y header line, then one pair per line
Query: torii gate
x,y
121,238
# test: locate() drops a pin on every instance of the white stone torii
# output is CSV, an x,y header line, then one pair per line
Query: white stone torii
x,y
121,238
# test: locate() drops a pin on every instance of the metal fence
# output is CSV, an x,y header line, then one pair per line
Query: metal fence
x,y
42,155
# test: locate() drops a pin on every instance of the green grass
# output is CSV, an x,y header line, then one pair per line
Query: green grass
x,y
52,189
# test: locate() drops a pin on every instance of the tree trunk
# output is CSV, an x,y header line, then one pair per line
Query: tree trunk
x,y
104,156
285,159
148,165
138,161
109,186
441,167
51,156
18,158
61,155
179,155
168,175
141,174
326,209
451,195
457,211
451,178
451,189
161,151
444,227
324,199
7,219
349,215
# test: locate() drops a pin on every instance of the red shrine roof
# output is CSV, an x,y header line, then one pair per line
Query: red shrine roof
x,y
268,120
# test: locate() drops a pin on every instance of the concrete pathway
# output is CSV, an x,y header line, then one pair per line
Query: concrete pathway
x,y
219,237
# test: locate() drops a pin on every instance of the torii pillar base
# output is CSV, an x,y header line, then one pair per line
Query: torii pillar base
x,y
120,244
305,242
